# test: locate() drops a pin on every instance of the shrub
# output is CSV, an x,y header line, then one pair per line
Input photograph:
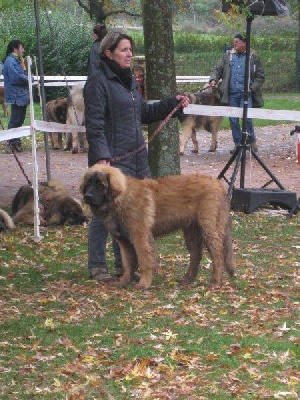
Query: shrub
x,y
66,39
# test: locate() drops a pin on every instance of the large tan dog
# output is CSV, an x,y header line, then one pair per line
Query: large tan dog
x,y
136,211
205,96
2,101
55,205
6,221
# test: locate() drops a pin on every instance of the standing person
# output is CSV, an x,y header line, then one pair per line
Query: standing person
x,y
99,31
114,114
16,89
231,69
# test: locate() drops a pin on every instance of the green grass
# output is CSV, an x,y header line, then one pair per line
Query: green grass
x,y
66,337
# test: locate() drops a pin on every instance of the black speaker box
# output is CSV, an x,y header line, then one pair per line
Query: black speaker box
x,y
258,7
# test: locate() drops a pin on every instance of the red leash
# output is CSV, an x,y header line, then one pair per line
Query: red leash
x,y
20,165
157,131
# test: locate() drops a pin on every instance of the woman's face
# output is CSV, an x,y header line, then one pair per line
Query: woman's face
x,y
122,53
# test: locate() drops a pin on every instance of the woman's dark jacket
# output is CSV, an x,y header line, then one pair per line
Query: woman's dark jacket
x,y
94,57
113,118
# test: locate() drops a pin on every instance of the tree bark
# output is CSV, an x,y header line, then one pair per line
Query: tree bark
x,y
298,53
161,83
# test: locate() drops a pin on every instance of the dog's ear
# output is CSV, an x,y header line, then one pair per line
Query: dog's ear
x,y
117,182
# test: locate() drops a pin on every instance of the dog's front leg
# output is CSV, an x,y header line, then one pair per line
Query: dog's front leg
x,y
188,128
214,143
195,141
146,254
126,251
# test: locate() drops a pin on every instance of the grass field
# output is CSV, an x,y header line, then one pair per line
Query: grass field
x,y
66,337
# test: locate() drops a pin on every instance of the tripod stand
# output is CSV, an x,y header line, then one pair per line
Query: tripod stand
x,y
248,200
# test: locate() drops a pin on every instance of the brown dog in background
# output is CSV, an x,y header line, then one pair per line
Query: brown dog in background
x,y
2,101
68,111
136,211
57,112
205,96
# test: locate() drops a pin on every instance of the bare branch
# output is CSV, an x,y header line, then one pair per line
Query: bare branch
x,y
122,12
84,7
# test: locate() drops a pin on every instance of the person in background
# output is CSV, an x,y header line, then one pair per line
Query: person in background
x,y
139,75
99,31
114,114
231,70
16,89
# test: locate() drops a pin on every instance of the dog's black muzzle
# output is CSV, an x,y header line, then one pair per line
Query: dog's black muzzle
x,y
92,200
2,226
94,197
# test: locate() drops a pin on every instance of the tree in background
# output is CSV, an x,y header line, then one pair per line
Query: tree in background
x,y
161,82
99,10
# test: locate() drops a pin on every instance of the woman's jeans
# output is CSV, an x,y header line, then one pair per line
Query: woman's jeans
x,y
17,118
237,100
97,238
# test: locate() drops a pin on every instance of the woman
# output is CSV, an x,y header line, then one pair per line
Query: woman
x,y
114,114
99,31
16,89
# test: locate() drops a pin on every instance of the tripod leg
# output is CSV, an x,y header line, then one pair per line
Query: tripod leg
x,y
227,166
235,171
294,209
268,171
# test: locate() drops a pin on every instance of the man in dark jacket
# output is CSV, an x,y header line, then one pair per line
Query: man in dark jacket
x,y
16,88
231,69
114,114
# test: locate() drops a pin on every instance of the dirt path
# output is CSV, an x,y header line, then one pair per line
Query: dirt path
x,y
277,149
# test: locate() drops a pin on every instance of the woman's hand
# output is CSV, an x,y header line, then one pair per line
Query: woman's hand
x,y
103,162
184,100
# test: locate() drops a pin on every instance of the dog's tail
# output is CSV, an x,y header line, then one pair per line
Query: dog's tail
x,y
229,262
6,221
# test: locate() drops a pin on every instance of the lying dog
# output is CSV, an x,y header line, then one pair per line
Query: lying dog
x,y
136,211
206,96
6,221
55,205
2,101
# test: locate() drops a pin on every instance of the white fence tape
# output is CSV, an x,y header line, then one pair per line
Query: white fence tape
x,y
56,80
260,113
15,133
56,127
192,109
40,126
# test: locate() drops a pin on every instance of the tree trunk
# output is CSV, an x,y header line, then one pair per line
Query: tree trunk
x,y
298,53
161,83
